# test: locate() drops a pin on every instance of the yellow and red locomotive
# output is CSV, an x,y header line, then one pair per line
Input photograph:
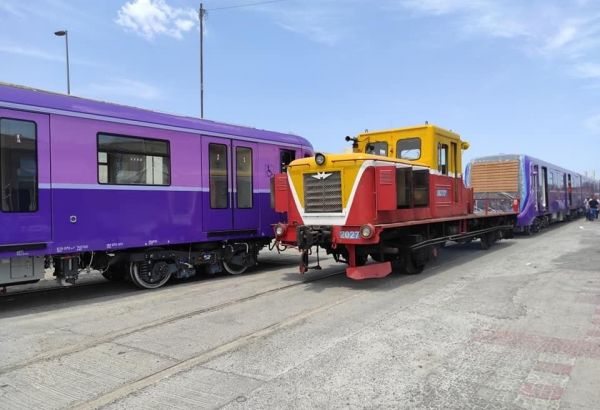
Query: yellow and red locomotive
x,y
396,198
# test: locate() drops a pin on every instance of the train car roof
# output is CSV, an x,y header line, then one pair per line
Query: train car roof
x,y
20,97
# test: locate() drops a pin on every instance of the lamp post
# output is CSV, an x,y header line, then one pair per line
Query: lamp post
x,y
201,13
65,33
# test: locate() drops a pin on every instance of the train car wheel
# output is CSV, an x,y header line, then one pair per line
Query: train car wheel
x,y
235,265
361,259
486,242
411,267
408,265
149,275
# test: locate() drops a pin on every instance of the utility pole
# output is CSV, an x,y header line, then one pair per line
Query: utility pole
x,y
201,13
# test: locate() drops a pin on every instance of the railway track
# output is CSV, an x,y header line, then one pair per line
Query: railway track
x,y
109,337
183,365
187,364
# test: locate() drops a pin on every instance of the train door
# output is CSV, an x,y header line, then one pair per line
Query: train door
x,y
544,188
535,184
455,169
217,203
230,203
25,198
570,191
245,202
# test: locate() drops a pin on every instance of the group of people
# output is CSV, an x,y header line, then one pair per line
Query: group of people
x,y
591,206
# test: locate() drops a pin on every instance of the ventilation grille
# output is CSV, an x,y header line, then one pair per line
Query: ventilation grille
x,y
323,192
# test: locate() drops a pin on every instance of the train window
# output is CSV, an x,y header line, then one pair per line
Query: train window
x,y
18,166
403,187
377,148
243,177
409,149
443,159
133,161
285,157
421,187
218,176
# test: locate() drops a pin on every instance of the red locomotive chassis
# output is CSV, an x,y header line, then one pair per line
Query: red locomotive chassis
x,y
398,231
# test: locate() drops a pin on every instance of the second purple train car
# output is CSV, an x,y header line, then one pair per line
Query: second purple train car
x,y
542,192
86,184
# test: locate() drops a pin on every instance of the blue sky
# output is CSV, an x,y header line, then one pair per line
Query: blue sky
x,y
511,76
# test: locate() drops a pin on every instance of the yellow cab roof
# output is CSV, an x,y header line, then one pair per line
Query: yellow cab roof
x,y
433,128
424,128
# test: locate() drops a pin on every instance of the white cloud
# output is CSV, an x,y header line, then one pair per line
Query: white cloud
x,y
13,9
50,10
152,18
593,124
439,7
566,34
34,52
29,52
322,21
587,70
564,31
123,87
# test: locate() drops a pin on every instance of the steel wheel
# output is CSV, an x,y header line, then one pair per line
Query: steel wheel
x,y
149,276
236,264
486,241
410,266
407,265
234,269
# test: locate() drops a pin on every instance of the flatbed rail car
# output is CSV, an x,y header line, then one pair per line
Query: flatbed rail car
x,y
396,207
133,193
545,193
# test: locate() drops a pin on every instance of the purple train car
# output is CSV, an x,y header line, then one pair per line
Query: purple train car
x,y
542,192
130,192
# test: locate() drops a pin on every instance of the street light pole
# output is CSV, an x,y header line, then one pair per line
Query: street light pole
x,y
65,33
201,13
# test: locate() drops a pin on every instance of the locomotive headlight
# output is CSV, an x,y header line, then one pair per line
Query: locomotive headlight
x,y
279,230
366,231
319,158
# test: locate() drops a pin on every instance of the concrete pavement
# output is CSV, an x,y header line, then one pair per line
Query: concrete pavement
x,y
514,327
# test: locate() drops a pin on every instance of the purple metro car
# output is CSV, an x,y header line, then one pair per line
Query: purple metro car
x,y
133,193
542,192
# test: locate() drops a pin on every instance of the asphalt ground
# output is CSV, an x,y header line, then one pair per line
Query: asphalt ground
x,y
517,326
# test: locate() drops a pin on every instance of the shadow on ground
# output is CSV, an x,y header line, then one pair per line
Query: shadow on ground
x,y
449,257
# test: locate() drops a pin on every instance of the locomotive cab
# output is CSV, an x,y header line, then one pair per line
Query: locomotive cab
x,y
425,145
396,196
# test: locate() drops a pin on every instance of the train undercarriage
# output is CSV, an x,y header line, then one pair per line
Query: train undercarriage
x,y
404,248
147,268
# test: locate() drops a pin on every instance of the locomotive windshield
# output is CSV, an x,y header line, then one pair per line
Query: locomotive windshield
x,y
409,149
377,148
